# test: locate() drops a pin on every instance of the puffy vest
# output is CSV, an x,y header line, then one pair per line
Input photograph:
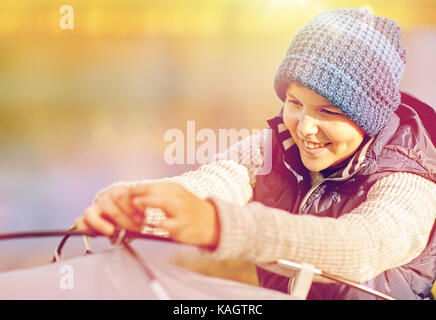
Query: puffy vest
x,y
406,144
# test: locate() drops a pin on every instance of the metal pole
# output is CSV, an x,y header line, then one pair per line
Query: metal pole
x,y
297,266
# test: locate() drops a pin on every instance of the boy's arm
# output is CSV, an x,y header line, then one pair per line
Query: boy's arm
x,y
388,230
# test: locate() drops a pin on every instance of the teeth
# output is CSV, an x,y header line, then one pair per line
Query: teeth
x,y
314,146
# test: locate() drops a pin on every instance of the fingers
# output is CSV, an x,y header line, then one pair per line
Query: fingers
x,y
124,207
93,218
121,198
81,225
189,219
164,195
112,212
154,200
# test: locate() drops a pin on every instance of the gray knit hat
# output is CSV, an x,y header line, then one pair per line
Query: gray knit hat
x,y
352,58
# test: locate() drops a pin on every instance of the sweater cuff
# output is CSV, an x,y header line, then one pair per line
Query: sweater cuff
x,y
234,228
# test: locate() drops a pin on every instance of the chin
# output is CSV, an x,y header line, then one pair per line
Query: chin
x,y
314,167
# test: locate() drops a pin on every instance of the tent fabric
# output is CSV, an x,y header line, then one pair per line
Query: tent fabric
x,y
115,274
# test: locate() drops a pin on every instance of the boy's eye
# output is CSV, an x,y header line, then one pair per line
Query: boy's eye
x,y
294,101
330,112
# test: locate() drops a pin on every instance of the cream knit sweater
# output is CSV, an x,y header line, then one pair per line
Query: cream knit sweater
x,y
388,230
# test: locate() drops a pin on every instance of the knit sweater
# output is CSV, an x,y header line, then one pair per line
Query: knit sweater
x,y
388,230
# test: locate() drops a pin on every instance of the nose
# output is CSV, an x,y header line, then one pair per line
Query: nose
x,y
307,125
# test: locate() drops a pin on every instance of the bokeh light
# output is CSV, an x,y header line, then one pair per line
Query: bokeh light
x,y
82,108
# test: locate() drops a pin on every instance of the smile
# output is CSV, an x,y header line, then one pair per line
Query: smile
x,y
313,149
313,146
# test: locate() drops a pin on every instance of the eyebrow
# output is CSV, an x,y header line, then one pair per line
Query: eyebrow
x,y
290,95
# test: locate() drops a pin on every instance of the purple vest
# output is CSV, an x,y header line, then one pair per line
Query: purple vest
x,y
406,144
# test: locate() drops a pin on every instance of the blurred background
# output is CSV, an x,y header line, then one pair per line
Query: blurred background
x,y
84,107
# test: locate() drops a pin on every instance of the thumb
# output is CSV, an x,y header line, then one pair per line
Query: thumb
x,y
163,187
139,203
137,193
141,189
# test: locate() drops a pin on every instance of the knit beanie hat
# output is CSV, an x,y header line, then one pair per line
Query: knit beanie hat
x,y
352,58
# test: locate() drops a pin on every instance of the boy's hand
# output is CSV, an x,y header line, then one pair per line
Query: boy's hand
x,y
113,207
189,219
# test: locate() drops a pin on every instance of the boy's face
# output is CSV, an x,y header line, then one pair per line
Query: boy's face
x,y
323,134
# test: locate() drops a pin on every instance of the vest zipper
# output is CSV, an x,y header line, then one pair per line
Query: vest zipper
x,y
309,193
303,202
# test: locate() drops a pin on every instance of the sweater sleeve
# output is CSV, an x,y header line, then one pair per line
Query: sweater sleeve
x,y
388,230
230,176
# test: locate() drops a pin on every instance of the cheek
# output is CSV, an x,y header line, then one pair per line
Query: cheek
x,y
343,135
290,120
